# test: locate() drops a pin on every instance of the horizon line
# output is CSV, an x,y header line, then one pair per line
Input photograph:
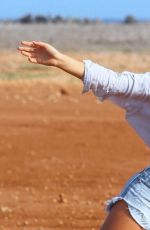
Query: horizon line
x,y
113,19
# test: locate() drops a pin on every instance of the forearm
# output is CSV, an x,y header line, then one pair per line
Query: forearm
x,y
70,65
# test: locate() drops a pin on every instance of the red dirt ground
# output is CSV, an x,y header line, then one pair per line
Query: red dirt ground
x,y
62,155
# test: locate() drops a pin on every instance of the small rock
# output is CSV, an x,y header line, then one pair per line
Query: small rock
x,y
18,223
26,222
89,202
35,220
61,222
54,200
75,198
46,188
62,198
63,91
4,209
27,189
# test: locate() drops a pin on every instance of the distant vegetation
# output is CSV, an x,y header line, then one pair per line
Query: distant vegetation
x,y
130,20
56,19
29,18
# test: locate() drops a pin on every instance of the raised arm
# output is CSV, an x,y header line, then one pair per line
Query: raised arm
x,y
126,89
103,82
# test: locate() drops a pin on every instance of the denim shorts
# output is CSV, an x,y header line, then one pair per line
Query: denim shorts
x,y
136,193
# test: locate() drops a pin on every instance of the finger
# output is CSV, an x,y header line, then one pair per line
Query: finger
x,y
24,53
32,60
43,44
27,49
26,43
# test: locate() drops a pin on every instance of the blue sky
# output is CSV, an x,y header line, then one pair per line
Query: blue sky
x,y
103,9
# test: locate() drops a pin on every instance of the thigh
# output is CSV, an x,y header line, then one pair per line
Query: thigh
x,y
119,218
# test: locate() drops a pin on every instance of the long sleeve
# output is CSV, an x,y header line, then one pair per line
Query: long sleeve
x,y
105,82
128,90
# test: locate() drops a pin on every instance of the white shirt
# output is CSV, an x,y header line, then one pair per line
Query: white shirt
x,y
128,90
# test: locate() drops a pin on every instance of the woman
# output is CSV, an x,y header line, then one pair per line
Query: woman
x,y
130,210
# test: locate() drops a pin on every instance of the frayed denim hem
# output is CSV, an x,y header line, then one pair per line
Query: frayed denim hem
x,y
136,214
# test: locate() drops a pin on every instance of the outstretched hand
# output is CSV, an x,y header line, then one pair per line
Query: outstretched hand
x,y
40,53
45,54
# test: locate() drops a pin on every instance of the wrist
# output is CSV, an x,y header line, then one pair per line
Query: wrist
x,y
70,65
60,60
